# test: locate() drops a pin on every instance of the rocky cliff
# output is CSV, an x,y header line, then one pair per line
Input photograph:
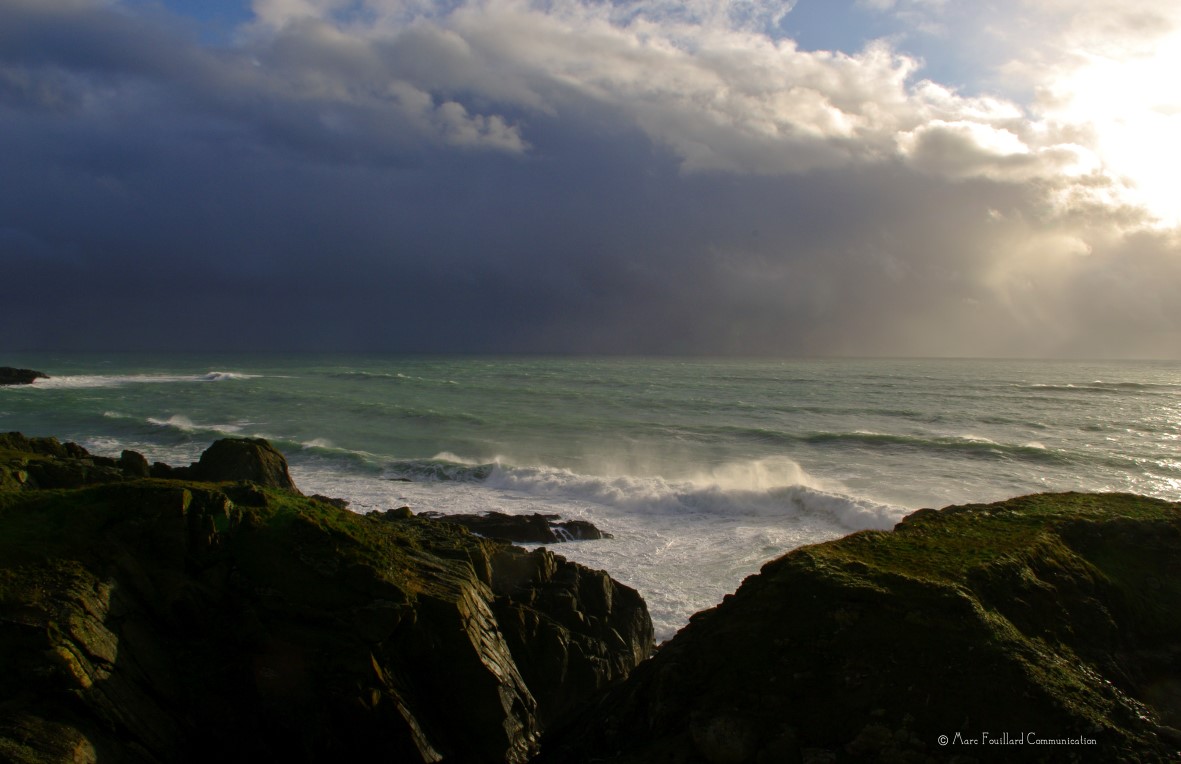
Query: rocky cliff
x,y
1045,628
212,612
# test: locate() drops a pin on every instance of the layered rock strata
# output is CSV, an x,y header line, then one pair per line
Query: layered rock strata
x,y
190,618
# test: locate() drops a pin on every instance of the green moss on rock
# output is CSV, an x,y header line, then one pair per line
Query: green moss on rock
x,y
161,619
1049,616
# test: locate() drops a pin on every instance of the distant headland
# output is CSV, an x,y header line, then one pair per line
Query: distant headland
x,y
12,376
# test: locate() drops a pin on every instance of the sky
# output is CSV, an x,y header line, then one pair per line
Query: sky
x,y
739,177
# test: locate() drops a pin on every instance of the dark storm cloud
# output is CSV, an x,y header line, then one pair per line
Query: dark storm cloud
x,y
500,181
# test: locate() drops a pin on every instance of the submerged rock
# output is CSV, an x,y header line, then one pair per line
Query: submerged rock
x,y
164,621
534,528
1044,618
11,376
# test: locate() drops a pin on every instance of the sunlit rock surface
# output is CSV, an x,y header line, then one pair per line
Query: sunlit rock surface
x,y
1043,618
160,620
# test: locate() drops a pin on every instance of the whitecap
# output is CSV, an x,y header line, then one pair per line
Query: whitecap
x,y
185,424
81,381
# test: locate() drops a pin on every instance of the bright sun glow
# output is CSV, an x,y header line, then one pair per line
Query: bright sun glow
x,y
1134,108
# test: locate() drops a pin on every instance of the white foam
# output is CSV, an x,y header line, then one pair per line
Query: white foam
x,y
683,543
777,488
99,380
176,421
447,456
184,424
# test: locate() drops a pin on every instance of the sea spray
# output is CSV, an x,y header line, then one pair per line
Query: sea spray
x,y
683,544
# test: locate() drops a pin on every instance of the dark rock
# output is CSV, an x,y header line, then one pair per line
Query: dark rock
x,y
1058,615
535,528
234,459
156,621
49,463
15,441
71,473
725,738
572,631
338,503
11,376
398,513
53,464
134,464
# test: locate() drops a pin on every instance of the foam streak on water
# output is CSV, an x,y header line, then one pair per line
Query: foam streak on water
x,y
702,470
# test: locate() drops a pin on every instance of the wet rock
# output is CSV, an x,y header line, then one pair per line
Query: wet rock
x,y
397,513
534,528
11,376
338,503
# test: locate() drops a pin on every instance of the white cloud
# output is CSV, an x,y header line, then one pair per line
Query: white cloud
x,y
832,199
704,79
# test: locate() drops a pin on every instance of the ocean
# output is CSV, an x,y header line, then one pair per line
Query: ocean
x,y
701,469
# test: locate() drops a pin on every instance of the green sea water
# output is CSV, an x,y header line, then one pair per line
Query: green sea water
x,y
703,469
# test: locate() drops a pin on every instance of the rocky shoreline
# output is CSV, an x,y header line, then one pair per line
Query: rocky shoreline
x,y
155,614
1043,628
151,613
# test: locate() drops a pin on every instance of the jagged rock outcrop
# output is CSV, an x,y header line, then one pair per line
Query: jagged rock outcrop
x,y
535,528
47,463
234,459
1046,618
11,376
152,620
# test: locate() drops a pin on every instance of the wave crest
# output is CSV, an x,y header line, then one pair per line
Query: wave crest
x,y
184,424
78,381
767,489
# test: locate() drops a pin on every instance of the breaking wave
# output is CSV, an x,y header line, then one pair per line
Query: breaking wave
x,y
119,380
766,489
184,424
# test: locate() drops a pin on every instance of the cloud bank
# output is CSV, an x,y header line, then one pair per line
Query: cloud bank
x,y
577,176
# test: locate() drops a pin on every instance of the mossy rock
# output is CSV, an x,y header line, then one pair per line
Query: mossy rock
x,y
164,620
1049,616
